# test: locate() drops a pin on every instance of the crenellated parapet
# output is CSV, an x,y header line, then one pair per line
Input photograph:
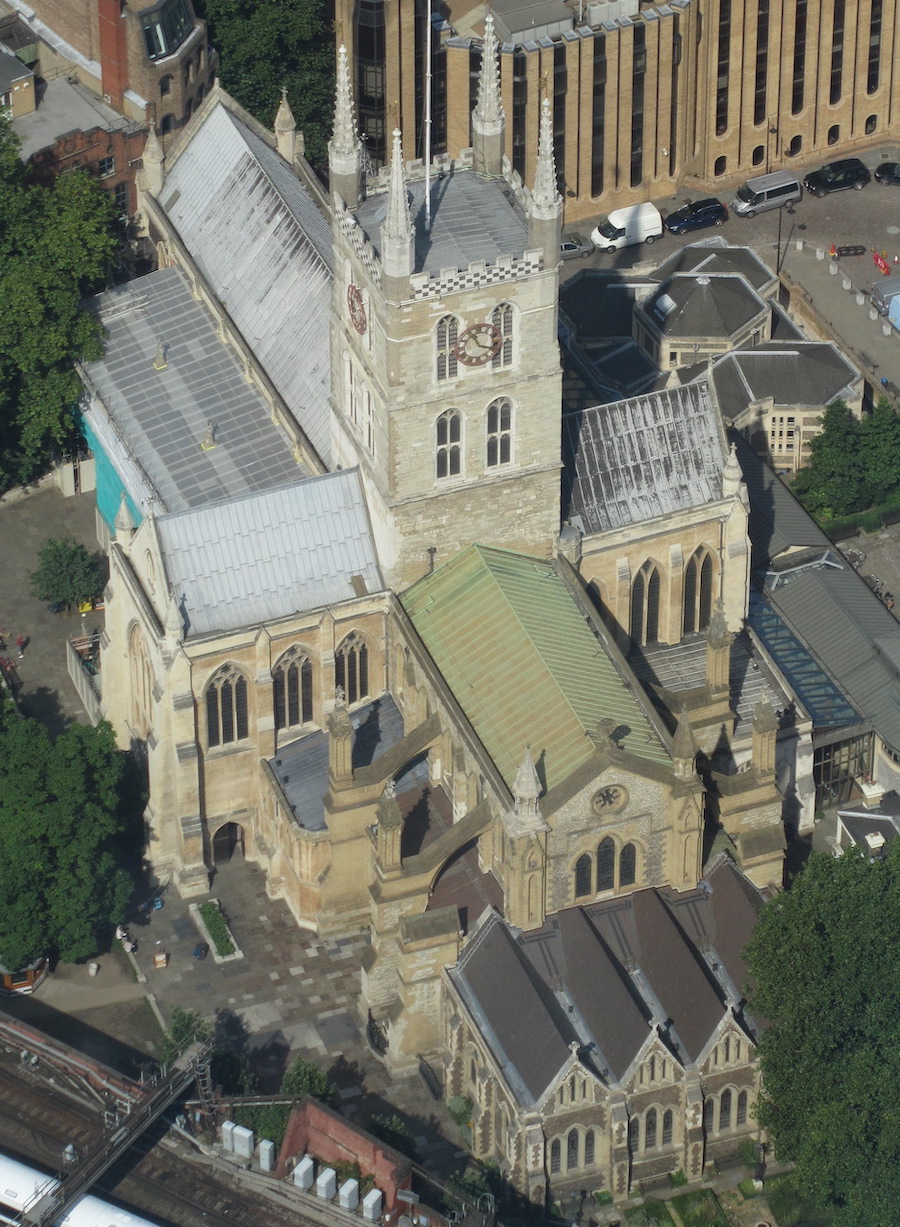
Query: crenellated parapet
x,y
478,274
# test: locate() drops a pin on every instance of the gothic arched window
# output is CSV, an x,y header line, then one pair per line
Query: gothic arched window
x,y
502,319
725,1111
698,592
292,689
628,865
606,865
741,1109
650,1130
645,605
141,682
499,432
572,1150
589,1148
634,1134
448,444
709,1108
445,337
668,1121
582,876
555,1156
226,708
351,668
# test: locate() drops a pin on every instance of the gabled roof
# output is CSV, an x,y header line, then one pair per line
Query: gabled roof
x,y
790,372
258,237
714,255
641,458
688,305
169,388
523,663
252,560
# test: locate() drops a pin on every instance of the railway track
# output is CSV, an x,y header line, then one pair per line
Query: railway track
x,y
39,1117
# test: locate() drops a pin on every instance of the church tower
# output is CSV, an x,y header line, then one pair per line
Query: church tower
x,y
446,383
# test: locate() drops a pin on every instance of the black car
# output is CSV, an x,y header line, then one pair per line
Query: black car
x,y
837,176
697,216
888,172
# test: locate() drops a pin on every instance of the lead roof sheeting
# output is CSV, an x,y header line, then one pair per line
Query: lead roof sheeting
x,y
163,415
266,556
264,247
636,459
472,219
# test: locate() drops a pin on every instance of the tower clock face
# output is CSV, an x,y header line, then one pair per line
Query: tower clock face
x,y
357,309
478,344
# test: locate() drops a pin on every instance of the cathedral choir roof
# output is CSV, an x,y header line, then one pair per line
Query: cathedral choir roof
x,y
251,560
257,235
608,976
521,659
637,459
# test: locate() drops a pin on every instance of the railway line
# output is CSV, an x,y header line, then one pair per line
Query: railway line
x,y
155,1177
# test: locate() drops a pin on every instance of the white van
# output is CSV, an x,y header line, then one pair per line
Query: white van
x,y
640,223
767,192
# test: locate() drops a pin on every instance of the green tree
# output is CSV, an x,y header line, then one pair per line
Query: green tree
x,y
832,482
186,1027
64,870
55,243
879,454
394,1132
66,573
266,44
826,967
304,1077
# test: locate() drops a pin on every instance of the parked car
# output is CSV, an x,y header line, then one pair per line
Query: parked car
x,y
837,177
573,245
888,172
696,215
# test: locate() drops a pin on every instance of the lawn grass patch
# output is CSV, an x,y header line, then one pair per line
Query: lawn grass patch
x,y
652,1210
700,1208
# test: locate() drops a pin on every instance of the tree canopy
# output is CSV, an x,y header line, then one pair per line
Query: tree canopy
x,y
826,966
63,839
66,573
853,464
266,44
55,243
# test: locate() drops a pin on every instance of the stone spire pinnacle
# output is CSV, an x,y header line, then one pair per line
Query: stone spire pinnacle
x,y
546,202
344,160
732,474
488,119
527,787
684,747
153,162
397,231
124,522
286,129
174,623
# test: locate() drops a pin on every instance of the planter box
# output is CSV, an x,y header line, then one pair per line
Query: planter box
x,y
205,934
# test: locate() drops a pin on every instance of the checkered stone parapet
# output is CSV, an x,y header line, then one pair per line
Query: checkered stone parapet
x,y
452,281
361,246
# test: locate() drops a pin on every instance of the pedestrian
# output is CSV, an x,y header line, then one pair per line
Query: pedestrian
x,y
20,646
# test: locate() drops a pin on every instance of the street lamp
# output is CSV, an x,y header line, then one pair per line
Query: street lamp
x,y
771,130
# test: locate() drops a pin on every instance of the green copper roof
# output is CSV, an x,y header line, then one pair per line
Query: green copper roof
x,y
523,663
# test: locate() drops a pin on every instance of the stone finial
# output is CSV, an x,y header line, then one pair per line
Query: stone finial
x,y
732,474
344,139
153,161
684,746
526,787
388,810
174,623
124,522
717,632
546,202
397,231
489,107
286,129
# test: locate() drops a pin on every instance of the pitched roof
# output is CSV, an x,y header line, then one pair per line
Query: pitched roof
x,y
246,561
648,456
778,523
714,255
791,372
735,905
688,305
165,380
258,237
522,661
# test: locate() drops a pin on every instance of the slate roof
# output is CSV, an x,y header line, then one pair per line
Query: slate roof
x,y
257,235
607,976
153,423
716,305
524,664
472,219
11,70
714,255
778,523
792,373
252,560
636,459
301,767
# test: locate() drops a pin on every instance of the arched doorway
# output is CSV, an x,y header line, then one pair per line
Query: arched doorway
x,y
228,842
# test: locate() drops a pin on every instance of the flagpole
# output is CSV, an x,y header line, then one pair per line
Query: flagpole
x,y
428,121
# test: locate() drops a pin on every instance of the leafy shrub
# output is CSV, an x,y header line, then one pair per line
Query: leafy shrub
x,y
266,1120
304,1077
394,1132
678,1179
460,1108
216,927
